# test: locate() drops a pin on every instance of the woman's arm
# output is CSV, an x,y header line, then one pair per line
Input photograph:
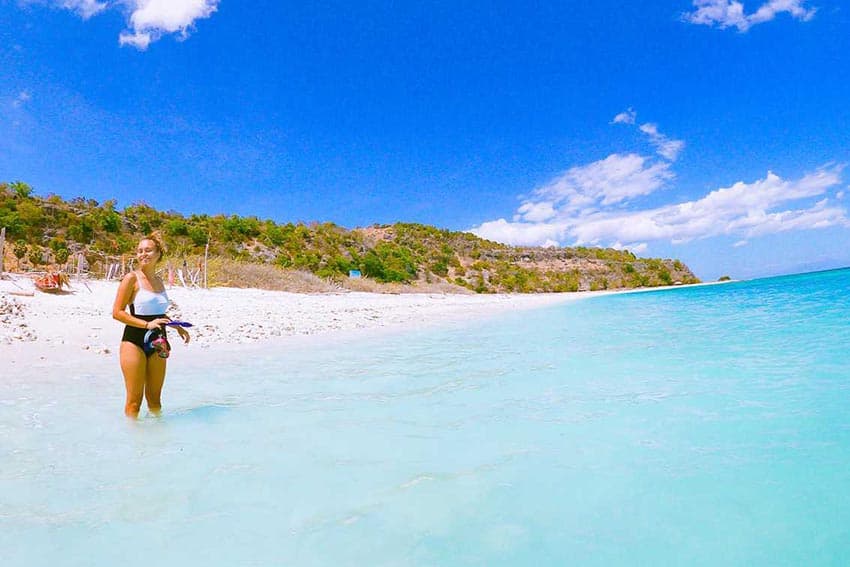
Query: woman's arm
x,y
183,334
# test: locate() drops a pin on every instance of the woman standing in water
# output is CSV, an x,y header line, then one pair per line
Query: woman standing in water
x,y
144,345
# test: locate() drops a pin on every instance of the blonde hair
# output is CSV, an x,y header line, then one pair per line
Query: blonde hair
x,y
156,238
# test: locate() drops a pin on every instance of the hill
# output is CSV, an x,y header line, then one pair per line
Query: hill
x,y
44,232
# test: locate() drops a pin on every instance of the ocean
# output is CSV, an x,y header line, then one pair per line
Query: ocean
x,y
692,426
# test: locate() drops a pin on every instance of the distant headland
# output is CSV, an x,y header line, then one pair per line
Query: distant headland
x,y
51,233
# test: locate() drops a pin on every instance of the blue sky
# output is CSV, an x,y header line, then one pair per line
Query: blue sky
x,y
713,131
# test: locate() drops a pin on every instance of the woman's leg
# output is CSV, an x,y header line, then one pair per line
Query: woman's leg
x,y
134,367
154,380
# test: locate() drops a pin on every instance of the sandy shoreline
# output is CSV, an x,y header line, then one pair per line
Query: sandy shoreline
x,y
77,328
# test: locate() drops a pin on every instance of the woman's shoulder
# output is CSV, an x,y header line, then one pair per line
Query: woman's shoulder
x,y
128,286
130,277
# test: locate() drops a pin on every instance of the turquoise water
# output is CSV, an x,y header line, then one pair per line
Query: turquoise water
x,y
694,426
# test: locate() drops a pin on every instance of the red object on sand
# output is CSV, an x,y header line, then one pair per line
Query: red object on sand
x,y
50,283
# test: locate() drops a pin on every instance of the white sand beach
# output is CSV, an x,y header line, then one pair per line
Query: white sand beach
x,y
47,330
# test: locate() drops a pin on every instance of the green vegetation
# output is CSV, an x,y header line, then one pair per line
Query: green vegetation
x,y
48,230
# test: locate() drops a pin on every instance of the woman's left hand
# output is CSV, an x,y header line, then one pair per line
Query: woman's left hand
x,y
183,334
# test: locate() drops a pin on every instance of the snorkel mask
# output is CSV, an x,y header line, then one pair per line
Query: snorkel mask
x,y
155,342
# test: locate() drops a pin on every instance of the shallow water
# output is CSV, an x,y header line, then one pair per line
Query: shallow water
x,y
695,426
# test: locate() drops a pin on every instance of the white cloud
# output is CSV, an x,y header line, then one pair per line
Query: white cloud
x,y
150,19
730,13
536,212
147,20
22,98
139,40
666,148
579,193
628,116
636,247
740,243
722,13
595,204
768,11
616,179
520,233
746,210
85,8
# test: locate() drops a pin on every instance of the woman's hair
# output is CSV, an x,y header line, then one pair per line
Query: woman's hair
x,y
156,238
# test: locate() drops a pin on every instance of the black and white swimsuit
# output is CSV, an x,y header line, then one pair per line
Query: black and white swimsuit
x,y
147,305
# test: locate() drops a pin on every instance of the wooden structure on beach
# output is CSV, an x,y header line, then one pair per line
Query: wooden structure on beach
x,y
2,247
81,264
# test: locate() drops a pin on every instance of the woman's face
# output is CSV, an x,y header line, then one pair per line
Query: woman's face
x,y
147,252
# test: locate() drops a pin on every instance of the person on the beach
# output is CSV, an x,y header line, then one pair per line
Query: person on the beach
x,y
144,345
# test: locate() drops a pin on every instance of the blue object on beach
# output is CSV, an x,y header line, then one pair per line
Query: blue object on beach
x,y
178,324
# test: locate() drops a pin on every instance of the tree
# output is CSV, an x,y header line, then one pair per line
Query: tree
x,y
31,215
36,257
21,189
176,227
111,222
20,249
82,231
198,235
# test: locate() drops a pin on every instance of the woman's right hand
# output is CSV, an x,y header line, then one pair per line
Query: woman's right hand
x,y
157,323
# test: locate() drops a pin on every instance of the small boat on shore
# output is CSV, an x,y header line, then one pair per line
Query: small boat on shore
x,y
51,283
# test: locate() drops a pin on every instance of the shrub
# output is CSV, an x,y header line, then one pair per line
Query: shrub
x,y
372,266
238,229
20,249
111,222
21,189
12,221
176,227
275,235
82,231
441,266
62,255
35,256
198,235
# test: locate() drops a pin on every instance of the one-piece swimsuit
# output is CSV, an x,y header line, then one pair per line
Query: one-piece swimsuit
x,y
147,305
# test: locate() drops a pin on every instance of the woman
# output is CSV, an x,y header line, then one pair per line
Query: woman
x,y
142,364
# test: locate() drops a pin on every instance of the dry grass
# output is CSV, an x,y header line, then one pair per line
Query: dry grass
x,y
232,273
371,286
